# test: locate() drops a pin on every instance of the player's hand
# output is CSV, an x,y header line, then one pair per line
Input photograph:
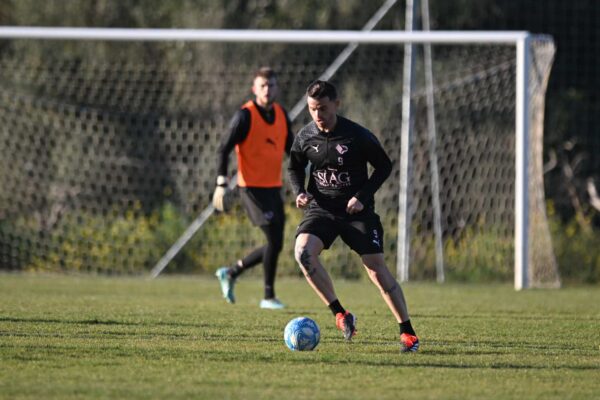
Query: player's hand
x,y
354,206
219,195
303,199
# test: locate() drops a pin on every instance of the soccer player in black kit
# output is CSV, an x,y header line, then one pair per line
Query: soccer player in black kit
x,y
339,201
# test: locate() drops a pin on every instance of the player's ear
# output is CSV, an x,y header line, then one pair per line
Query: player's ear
x,y
253,87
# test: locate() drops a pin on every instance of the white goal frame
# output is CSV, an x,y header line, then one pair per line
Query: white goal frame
x,y
519,39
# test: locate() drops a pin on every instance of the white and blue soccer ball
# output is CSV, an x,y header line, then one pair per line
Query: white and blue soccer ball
x,y
301,334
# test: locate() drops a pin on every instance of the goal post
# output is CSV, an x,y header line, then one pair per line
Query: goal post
x,y
118,126
522,164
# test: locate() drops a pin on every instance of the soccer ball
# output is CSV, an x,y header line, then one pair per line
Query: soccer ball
x,y
301,334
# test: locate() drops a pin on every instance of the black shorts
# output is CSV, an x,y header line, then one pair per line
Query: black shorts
x,y
362,232
263,205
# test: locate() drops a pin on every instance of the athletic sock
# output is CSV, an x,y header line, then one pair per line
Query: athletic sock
x,y
269,292
247,262
236,270
336,307
406,327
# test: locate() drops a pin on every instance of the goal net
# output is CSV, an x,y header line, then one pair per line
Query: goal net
x,y
108,151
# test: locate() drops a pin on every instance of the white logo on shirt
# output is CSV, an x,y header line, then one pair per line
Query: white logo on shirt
x,y
315,147
331,178
341,148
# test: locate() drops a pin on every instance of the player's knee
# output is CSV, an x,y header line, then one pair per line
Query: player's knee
x,y
301,253
277,245
279,242
274,234
305,259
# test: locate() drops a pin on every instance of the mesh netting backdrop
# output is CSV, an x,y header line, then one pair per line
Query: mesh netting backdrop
x,y
108,152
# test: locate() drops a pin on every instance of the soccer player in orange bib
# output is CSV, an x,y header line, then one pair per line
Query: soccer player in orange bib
x,y
261,133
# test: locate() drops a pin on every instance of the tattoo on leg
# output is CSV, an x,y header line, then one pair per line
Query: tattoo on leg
x,y
305,262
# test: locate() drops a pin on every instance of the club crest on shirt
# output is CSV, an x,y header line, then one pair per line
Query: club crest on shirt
x,y
341,148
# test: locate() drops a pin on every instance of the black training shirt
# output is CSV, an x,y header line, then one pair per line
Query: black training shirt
x,y
339,164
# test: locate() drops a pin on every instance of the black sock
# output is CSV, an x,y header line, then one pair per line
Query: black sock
x,y
236,270
406,327
336,307
269,292
250,261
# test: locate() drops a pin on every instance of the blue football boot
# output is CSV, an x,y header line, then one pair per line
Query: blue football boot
x,y
227,283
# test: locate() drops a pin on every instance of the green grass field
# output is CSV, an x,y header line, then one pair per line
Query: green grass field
x,y
173,337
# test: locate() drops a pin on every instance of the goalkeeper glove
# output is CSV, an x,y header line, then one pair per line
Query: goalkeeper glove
x,y
219,201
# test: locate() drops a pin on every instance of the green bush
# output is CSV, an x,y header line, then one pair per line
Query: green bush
x,y
132,244
477,256
480,256
576,248
236,236
115,244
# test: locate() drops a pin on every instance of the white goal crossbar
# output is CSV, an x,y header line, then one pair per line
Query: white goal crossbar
x,y
273,36
519,39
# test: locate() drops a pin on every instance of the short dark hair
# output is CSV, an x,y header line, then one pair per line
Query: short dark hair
x,y
319,89
265,72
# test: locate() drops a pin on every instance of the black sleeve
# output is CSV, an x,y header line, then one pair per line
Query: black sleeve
x,y
377,157
290,135
239,126
297,167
